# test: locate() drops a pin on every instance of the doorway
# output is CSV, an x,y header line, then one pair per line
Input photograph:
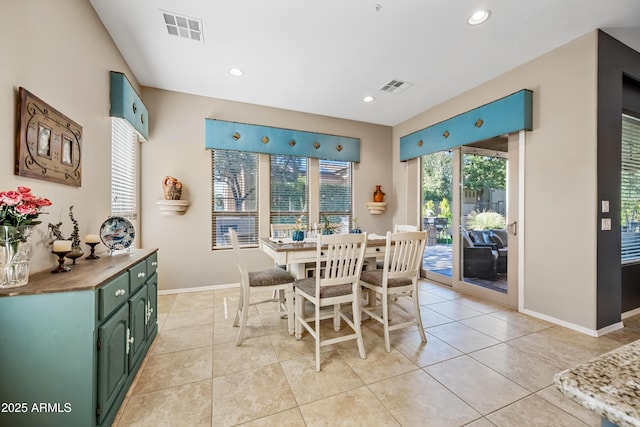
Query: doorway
x,y
474,190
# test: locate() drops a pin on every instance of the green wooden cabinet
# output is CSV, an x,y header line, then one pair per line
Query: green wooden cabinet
x,y
113,366
72,343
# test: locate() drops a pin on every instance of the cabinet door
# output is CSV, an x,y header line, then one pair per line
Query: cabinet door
x,y
138,326
152,302
112,359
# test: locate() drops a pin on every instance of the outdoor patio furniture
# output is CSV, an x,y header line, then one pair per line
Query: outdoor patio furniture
x,y
479,261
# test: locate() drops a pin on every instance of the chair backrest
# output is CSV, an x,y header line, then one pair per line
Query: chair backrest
x,y
244,274
339,259
406,258
279,231
399,228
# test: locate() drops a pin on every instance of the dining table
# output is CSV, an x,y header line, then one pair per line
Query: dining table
x,y
296,255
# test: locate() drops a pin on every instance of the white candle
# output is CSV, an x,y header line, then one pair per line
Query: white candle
x,y
62,246
92,238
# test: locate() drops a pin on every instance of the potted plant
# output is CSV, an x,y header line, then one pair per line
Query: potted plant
x,y
297,235
356,229
327,228
76,250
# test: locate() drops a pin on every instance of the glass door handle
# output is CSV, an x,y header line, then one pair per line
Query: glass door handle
x,y
513,228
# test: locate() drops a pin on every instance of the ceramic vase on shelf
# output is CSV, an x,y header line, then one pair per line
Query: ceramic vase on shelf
x,y
378,195
15,255
297,235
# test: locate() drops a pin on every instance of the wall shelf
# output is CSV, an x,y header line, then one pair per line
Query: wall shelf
x,y
376,208
173,207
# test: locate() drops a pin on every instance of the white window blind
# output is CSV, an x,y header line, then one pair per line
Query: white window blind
x,y
124,188
335,193
630,189
289,189
235,197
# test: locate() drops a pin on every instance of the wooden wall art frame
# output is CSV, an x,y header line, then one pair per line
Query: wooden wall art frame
x,y
48,143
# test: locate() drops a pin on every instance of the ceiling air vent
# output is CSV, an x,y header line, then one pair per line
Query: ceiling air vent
x,y
395,86
183,26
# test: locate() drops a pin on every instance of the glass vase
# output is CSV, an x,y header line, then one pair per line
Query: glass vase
x,y
15,255
76,252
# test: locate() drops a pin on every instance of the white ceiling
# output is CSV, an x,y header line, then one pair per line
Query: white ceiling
x,y
323,57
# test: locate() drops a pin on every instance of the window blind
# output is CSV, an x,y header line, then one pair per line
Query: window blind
x,y
235,197
289,189
335,193
630,189
124,188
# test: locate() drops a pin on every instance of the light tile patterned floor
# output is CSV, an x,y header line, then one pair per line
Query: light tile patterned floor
x,y
483,365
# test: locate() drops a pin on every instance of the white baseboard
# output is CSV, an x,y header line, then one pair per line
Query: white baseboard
x,y
630,313
198,288
591,332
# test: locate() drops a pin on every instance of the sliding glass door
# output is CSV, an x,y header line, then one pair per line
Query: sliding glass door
x,y
472,231
437,199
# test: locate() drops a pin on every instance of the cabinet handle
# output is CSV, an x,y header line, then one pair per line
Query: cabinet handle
x,y
154,264
120,292
141,274
148,312
130,340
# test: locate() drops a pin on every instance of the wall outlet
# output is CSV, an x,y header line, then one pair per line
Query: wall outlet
x,y
605,206
606,224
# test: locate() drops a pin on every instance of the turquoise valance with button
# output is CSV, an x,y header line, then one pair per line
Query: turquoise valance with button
x,y
506,115
226,135
126,104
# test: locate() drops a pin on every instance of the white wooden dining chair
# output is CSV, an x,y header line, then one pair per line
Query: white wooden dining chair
x,y
339,261
279,231
398,277
401,228
272,279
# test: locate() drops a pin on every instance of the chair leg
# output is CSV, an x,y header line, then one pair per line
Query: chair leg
x,y
299,303
240,303
290,315
357,320
317,333
416,306
385,320
243,318
281,299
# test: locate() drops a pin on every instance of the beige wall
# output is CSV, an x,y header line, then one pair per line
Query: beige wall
x,y
560,181
69,70
176,148
63,55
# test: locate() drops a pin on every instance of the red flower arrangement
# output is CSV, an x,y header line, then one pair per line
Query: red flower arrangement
x,y
20,207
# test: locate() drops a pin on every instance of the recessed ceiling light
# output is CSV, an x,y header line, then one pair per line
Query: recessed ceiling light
x,y
368,99
237,72
479,17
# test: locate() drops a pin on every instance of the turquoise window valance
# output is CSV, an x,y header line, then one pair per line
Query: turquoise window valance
x,y
126,104
226,135
503,116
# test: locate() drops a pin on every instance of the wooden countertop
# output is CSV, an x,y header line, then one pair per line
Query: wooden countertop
x,y
86,274
609,385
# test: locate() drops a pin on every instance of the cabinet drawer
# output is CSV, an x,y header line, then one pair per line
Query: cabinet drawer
x,y
152,264
137,275
112,295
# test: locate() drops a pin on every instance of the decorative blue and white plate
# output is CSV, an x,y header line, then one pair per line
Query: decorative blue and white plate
x,y
117,233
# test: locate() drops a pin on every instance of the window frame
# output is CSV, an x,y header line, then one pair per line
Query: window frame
x,y
630,205
125,159
288,216
250,228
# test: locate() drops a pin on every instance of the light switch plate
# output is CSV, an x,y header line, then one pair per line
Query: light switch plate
x,y
605,206
606,224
